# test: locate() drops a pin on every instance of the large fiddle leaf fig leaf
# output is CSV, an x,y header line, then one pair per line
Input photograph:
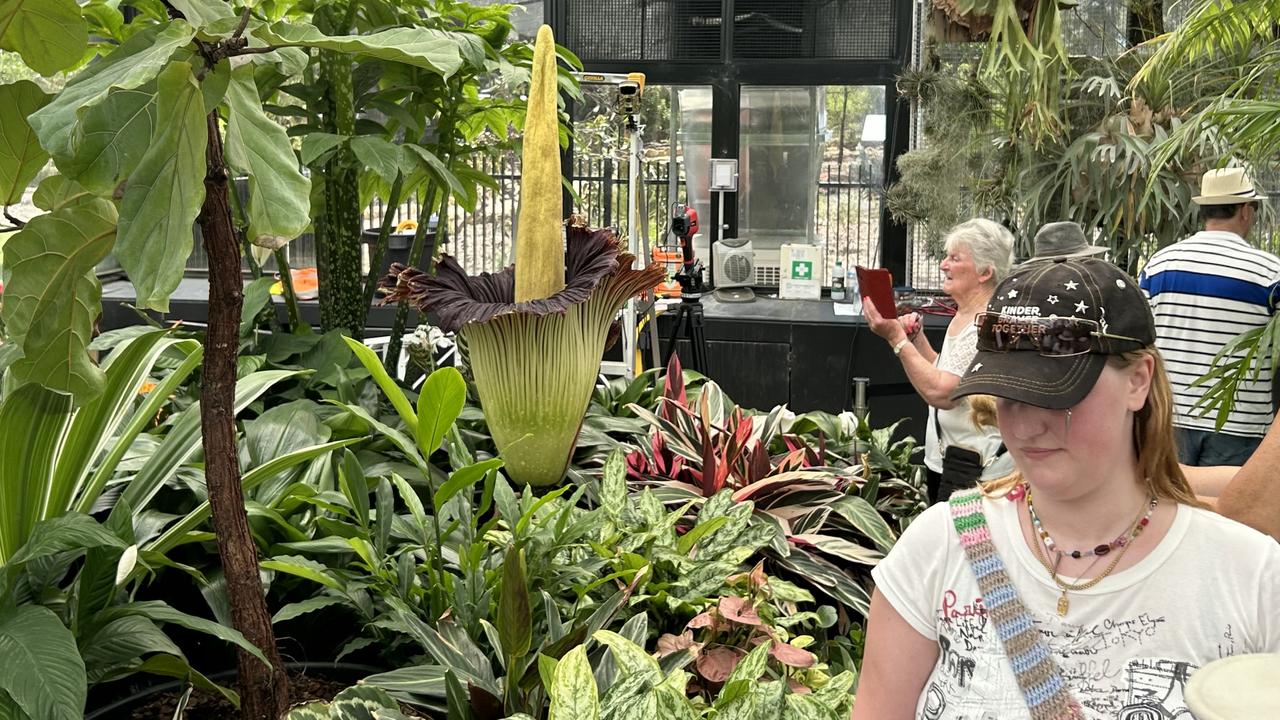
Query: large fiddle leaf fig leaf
x,y
52,296
257,146
113,137
132,65
42,670
203,12
21,156
427,48
50,35
165,192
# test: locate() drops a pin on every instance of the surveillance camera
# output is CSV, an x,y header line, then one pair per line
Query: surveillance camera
x,y
628,88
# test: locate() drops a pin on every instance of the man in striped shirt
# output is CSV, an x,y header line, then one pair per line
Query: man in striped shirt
x,y
1204,291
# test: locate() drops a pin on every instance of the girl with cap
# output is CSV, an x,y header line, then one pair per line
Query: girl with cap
x,y
979,255
1090,583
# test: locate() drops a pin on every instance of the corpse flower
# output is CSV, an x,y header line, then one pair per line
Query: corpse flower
x,y
535,331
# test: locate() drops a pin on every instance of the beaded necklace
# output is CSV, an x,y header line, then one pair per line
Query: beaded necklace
x,y
1100,550
1123,543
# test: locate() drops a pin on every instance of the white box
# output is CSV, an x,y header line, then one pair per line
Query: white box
x,y
800,271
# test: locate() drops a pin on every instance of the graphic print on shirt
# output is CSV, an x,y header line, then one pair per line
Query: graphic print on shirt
x,y
972,679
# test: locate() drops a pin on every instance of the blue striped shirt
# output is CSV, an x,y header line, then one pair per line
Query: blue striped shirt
x,y
1204,291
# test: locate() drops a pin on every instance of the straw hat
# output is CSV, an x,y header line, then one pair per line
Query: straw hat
x,y
1236,688
1226,186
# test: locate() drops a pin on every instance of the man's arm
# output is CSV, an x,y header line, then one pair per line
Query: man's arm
x,y
1253,495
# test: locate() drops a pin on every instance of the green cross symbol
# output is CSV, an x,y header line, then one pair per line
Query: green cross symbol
x,y
801,269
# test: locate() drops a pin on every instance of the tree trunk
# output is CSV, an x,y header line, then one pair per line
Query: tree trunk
x,y
264,691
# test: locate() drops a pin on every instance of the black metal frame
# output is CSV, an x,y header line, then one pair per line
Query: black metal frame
x,y
729,75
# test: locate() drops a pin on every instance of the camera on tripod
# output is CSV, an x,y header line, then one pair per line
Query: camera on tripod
x,y
628,101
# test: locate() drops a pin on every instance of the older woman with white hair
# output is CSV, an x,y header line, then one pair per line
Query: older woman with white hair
x,y
979,254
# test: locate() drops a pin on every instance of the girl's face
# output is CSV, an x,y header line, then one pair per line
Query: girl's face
x,y
1069,457
960,277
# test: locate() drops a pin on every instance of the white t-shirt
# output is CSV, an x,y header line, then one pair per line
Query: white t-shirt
x,y
1209,590
956,357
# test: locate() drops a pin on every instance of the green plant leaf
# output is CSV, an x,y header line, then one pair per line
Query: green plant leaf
x,y
165,192
52,296
177,667
113,137
867,520
379,155
515,619
257,146
129,66
27,459
464,478
163,613
123,640
573,691
422,47
64,533
443,395
203,12
370,360
21,156
304,568
302,607
50,35
42,670
57,191
630,658
613,485
316,146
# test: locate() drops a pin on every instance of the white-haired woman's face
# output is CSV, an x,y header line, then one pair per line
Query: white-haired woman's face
x,y
960,277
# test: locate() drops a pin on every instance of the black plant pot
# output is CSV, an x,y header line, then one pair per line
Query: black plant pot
x,y
137,695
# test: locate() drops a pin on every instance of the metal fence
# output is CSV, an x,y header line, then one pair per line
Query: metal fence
x,y
846,222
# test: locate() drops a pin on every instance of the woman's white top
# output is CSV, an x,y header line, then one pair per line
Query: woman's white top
x,y
956,357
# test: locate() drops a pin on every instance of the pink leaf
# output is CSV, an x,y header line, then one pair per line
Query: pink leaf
x,y
717,664
739,610
791,655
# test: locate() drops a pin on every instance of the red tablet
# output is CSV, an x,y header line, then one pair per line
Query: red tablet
x,y
877,284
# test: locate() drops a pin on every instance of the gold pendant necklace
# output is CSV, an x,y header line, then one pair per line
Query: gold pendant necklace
x,y
1064,604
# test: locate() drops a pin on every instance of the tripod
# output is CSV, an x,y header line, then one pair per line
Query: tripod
x,y
688,324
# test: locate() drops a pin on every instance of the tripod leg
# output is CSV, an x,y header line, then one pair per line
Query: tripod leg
x,y
677,330
698,339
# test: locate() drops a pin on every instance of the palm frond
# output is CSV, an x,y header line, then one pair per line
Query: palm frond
x,y
1234,28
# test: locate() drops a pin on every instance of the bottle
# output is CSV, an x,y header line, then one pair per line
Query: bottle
x,y
837,282
851,289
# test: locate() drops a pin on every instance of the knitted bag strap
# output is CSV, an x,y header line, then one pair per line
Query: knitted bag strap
x,y
1039,677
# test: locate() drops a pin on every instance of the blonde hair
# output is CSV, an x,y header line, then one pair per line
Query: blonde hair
x,y
1153,440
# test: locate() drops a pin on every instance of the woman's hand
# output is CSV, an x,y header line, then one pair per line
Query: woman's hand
x,y
888,328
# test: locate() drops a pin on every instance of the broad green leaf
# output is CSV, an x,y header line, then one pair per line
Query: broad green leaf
x,y
257,146
62,534
613,485
50,35
177,667
378,155
631,658
27,459
21,156
438,169
256,296
122,640
304,568
427,48
162,613
464,478
57,191
203,12
515,619
131,65
302,607
52,296
112,138
573,692
370,360
440,401
316,146
165,192
42,670
867,520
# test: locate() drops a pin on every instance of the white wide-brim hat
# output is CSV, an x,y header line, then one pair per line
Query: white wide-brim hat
x,y
1226,186
1241,687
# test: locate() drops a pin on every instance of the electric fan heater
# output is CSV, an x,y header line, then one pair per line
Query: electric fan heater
x,y
734,270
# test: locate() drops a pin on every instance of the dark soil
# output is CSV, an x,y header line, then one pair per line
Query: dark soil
x,y
211,706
